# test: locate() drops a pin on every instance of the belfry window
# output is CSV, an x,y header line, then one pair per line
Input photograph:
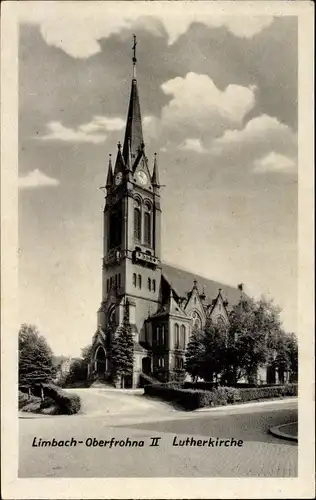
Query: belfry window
x,y
149,284
182,337
137,221
139,281
147,224
176,336
134,279
154,285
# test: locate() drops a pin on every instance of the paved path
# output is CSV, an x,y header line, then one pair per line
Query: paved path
x,y
261,455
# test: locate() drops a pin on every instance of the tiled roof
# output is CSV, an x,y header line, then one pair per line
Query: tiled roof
x,y
182,283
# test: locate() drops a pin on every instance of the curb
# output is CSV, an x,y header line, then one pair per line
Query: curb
x,y
248,405
275,431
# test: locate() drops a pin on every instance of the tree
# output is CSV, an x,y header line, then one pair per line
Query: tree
x,y
292,347
86,353
214,359
35,357
122,351
78,371
254,330
195,354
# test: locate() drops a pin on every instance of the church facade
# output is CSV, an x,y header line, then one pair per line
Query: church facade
x,y
164,303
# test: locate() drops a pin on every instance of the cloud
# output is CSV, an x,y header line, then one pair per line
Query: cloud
x,y
274,162
261,134
254,130
93,131
192,145
77,32
198,108
263,144
196,99
36,179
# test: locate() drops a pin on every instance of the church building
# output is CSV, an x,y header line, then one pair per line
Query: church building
x,y
164,303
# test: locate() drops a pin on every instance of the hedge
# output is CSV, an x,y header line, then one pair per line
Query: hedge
x,y
191,399
68,403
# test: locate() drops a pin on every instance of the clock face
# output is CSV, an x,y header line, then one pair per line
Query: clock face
x,y
118,178
142,177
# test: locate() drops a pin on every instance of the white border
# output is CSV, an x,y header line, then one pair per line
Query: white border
x,y
12,487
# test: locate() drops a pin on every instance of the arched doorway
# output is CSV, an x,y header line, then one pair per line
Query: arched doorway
x,y
146,365
100,362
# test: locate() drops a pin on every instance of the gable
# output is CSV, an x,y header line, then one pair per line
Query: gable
x,y
194,304
219,310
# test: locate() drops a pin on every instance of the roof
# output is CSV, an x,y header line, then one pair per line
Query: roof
x,y
133,131
182,283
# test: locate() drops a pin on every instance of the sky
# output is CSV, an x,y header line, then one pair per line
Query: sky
x,y
218,99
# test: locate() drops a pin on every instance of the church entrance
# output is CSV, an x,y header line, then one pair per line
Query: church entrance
x,y
100,362
146,365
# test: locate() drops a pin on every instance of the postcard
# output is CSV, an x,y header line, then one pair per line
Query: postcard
x,y
157,250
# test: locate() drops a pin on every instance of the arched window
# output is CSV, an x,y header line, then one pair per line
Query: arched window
x,y
182,337
147,224
149,284
112,317
154,285
137,221
134,279
176,336
220,321
162,335
197,322
139,281
119,281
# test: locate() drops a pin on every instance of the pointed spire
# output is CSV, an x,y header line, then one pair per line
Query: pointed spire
x,y
119,164
109,180
155,176
133,131
129,162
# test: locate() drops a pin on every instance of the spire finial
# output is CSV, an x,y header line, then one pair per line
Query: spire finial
x,y
134,56
109,180
155,176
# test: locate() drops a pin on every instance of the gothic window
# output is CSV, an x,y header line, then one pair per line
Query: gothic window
x,y
182,337
139,281
149,284
162,332
137,221
197,322
134,279
112,319
161,362
176,336
154,285
147,224
220,320
179,363
160,335
116,227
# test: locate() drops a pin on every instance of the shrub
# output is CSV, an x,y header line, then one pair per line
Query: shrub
x,y
23,399
68,404
191,399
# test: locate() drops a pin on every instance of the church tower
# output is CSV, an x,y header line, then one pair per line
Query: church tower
x,y
131,267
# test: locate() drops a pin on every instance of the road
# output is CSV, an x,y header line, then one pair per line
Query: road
x,y
260,455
